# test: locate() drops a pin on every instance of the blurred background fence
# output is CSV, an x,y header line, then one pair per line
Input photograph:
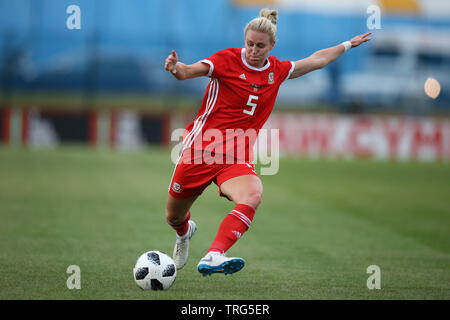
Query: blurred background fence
x,y
104,82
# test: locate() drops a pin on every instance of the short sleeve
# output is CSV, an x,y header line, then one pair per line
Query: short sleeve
x,y
287,67
218,63
211,65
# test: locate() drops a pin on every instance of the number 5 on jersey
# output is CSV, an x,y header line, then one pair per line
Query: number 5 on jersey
x,y
251,104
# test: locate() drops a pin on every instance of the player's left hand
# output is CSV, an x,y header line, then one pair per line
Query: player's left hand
x,y
356,41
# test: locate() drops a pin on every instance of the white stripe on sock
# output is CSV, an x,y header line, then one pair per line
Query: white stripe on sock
x,y
243,216
240,218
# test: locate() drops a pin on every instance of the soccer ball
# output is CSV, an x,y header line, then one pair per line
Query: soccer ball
x,y
154,270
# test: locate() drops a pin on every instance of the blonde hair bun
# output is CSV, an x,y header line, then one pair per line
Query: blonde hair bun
x,y
266,22
272,15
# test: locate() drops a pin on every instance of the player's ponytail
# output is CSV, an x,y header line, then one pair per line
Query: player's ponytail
x,y
266,22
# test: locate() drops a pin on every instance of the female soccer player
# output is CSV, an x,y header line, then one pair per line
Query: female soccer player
x,y
237,102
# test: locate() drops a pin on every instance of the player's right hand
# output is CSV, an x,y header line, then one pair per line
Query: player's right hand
x,y
171,61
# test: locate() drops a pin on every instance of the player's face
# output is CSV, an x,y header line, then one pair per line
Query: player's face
x,y
257,48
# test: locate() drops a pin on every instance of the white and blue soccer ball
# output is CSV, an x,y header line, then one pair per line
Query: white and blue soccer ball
x,y
154,270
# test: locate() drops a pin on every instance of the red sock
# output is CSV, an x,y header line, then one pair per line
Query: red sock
x,y
233,227
182,227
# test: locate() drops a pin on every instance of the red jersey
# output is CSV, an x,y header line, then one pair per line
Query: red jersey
x,y
237,102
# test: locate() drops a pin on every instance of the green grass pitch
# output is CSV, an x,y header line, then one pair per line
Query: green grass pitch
x,y
319,227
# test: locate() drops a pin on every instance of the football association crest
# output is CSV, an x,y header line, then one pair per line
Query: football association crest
x,y
176,187
270,77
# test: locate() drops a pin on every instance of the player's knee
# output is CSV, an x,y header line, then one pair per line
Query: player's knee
x,y
252,198
173,218
257,198
173,221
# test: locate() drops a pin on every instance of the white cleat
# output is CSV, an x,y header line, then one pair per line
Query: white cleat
x,y
181,250
215,262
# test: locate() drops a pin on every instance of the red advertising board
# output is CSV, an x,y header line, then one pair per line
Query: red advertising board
x,y
380,137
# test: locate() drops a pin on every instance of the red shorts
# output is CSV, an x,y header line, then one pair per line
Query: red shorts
x,y
192,179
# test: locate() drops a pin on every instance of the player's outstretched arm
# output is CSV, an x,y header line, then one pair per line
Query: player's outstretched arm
x,y
324,57
182,71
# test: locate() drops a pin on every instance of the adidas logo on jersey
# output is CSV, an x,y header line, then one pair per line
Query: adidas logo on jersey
x,y
242,76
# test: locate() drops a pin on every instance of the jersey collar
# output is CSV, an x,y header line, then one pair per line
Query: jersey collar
x,y
249,66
